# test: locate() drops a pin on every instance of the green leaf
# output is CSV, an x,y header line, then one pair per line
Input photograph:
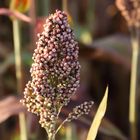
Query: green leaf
x,y
98,117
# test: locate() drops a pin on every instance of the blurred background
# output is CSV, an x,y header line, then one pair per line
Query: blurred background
x,y
105,54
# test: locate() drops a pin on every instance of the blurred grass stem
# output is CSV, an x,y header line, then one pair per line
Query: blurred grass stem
x,y
133,84
65,5
71,133
17,51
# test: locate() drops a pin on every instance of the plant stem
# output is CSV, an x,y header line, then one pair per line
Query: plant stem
x,y
16,37
51,137
65,5
133,84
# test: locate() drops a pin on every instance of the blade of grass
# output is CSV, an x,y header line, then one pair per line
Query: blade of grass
x,y
98,117
133,83
16,37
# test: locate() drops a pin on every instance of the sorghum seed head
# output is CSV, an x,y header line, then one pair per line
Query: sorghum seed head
x,y
55,73
82,109
55,70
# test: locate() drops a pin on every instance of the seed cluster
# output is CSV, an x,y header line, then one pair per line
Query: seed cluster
x,y
130,10
80,110
55,72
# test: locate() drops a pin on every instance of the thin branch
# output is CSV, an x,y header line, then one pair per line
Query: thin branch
x,y
59,127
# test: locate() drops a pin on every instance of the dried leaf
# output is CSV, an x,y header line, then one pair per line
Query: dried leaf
x,y
106,128
10,106
98,117
15,14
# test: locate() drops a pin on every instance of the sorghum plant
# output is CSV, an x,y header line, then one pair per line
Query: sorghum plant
x,y
55,75
130,10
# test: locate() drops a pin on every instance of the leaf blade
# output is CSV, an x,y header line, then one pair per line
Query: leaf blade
x,y
98,117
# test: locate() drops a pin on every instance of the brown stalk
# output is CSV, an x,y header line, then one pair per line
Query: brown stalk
x,y
130,10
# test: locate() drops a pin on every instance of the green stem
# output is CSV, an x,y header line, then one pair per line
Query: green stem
x,y
133,85
16,37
